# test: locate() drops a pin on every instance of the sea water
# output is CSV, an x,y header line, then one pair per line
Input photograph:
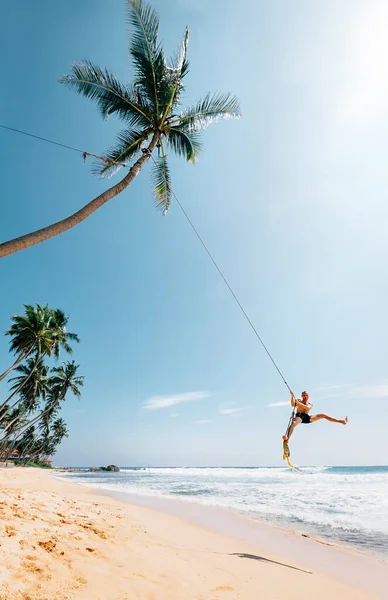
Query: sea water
x,y
348,505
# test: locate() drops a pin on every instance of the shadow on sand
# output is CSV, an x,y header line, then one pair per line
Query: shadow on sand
x,y
262,558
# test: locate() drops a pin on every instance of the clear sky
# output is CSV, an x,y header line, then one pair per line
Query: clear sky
x,y
291,200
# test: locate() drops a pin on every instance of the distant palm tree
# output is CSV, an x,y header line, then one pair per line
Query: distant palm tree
x,y
42,331
65,379
150,109
52,434
61,336
59,430
9,426
32,385
25,443
29,333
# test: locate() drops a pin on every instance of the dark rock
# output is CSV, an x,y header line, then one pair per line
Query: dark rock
x,y
109,468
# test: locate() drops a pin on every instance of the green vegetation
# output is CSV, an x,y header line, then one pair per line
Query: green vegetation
x,y
151,110
30,426
37,465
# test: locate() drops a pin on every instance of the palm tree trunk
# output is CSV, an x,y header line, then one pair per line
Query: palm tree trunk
x,y
30,239
18,389
23,454
12,423
19,359
5,440
12,446
19,432
28,447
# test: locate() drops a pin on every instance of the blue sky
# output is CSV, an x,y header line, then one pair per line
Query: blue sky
x,y
291,200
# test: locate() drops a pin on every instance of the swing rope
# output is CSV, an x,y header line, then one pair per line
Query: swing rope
x,y
228,285
286,449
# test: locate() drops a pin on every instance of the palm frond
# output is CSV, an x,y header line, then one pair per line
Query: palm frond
x,y
184,142
72,336
60,335
181,64
206,111
176,73
91,81
145,23
162,182
129,143
147,54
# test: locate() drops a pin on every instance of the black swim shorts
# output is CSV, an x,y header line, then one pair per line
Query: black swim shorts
x,y
304,416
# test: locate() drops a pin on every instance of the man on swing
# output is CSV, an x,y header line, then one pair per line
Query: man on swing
x,y
303,408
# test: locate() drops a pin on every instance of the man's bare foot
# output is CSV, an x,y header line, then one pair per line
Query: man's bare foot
x,y
285,438
345,420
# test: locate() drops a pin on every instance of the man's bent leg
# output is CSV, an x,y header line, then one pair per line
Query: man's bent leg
x,y
331,419
295,422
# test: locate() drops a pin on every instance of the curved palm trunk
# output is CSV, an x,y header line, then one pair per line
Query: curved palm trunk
x,y
24,453
36,451
13,444
6,437
5,440
17,362
18,389
6,412
12,423
30,239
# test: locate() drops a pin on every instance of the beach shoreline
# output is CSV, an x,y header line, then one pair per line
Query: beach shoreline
x,y
73,542
190,510
344,562
339,506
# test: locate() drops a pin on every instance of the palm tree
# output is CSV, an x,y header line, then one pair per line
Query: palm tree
x,y
41,330
9,427
64,380
51,436
61,336
28,332
32,384
25,443
150,109
59,431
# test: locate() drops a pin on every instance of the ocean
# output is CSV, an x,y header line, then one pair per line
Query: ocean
x,y
346,505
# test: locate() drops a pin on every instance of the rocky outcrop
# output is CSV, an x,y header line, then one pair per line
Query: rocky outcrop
x,y
109,468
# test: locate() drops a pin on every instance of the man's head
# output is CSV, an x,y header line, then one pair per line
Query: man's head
x,y
305,396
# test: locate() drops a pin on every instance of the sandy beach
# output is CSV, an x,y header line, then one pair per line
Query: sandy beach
x,y
61,541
